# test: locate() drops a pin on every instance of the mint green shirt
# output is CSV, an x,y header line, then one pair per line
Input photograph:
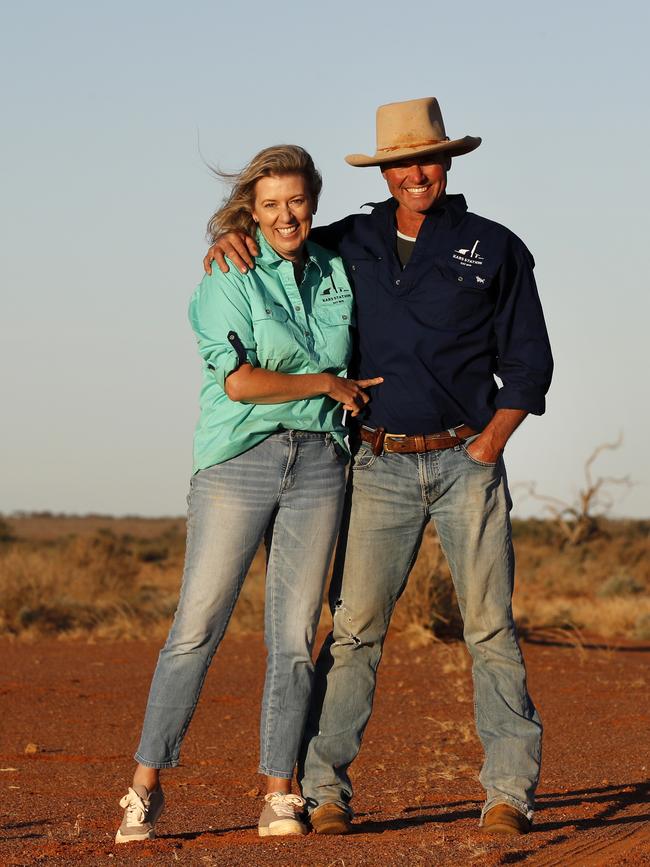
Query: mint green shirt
x,y
266,319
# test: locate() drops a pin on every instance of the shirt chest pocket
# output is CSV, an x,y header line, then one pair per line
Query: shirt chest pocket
x,y
365,273
333,317
335,337
360,267
455,299
275,334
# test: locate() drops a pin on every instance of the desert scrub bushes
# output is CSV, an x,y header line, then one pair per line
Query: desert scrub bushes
x,y
601,587
96,581
101,583
6,533
120,578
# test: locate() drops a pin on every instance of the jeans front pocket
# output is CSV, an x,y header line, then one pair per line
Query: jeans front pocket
x,y
363,458
476,463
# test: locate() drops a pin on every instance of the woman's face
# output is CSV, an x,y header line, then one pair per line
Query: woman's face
x,y
283,209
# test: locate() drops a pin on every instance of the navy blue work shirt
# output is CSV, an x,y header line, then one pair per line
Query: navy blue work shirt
x,y
464,309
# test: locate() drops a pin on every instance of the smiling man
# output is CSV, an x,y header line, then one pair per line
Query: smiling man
x,y
446,304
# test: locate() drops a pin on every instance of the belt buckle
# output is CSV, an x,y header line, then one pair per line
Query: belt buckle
x,y
390,437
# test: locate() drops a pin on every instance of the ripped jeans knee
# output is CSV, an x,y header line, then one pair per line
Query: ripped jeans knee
x,y
356,629
343,626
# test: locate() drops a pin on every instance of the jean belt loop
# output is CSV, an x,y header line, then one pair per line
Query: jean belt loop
x,y
378,445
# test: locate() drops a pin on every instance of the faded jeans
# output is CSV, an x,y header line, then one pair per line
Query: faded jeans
x,y
289,491
390,500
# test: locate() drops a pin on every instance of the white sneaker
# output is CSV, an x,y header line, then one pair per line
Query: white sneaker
x,y
282,815
142,810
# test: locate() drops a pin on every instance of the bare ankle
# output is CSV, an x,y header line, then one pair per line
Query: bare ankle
x,y
147,777
278,784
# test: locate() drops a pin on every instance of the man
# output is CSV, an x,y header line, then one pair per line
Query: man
x,y
446,301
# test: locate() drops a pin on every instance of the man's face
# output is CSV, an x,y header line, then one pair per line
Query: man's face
x,y
417,184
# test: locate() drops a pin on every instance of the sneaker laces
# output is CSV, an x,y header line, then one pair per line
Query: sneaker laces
x,y
136,808
284,805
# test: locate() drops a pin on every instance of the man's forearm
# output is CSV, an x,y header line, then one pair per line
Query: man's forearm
x,y
489,445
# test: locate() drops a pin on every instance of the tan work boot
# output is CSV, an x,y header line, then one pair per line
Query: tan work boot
x,y
331,819
505,819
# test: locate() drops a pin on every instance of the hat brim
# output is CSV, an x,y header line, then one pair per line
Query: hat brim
x,y
455,148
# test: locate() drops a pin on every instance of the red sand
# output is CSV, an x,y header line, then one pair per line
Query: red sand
x,y
418,798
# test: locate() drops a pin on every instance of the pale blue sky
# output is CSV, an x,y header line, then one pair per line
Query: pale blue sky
x,y
105,199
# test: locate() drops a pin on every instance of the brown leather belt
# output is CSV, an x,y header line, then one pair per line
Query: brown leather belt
x,y
386,442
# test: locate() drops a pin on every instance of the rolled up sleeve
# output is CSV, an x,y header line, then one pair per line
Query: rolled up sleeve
x,y
220,316
525,361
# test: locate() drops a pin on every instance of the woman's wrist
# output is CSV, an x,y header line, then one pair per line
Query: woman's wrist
x,y
324,383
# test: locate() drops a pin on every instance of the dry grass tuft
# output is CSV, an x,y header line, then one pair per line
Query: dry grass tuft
x,y
79,585
428,606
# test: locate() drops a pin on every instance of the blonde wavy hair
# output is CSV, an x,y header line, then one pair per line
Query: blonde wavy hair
x,y
235,214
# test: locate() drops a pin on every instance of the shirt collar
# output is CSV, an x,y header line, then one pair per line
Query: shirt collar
x,y
448,213
269,256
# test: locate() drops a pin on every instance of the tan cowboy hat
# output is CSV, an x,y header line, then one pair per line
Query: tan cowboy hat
x,y
405,129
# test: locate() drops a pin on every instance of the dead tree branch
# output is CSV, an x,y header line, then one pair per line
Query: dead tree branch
x,y
578,521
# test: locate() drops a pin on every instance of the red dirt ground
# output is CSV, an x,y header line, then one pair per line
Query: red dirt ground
x,y
417,799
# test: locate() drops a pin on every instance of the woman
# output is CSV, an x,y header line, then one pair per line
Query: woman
x,y
269,462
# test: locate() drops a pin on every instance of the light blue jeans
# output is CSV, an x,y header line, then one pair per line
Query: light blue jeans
x,y
390,500
289,491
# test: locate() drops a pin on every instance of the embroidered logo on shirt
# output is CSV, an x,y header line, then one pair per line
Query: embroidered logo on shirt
x,y
334,294
480,280
468,256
